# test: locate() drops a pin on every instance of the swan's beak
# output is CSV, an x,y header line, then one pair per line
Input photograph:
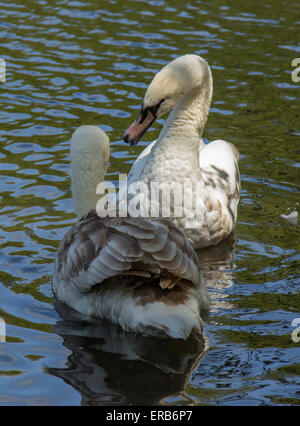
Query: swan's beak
x,y
134,133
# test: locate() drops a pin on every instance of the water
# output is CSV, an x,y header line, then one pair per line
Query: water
x,y
85,62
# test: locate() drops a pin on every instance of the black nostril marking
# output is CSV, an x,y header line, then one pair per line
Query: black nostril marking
x,y
126,138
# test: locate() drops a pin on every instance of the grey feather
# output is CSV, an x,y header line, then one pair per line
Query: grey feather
x,y
99,248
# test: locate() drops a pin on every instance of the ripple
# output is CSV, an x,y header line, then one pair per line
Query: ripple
x,y
79,62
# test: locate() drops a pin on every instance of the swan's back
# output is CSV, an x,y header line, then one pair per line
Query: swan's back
x,y
140,273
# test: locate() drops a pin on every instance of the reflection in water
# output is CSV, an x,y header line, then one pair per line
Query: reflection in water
x,y
89,62
108,366
217,265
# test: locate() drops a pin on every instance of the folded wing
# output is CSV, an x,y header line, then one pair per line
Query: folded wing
x,y
99,248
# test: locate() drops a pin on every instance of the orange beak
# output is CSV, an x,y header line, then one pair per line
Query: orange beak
x,y
134,132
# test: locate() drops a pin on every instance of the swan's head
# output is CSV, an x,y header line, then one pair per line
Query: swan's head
x,y
89,161
165,91
90,139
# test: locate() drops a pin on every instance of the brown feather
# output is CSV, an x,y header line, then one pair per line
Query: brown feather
x,y
107,247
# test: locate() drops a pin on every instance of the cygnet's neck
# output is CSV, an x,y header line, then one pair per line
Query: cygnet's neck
x,y
89,161
184,127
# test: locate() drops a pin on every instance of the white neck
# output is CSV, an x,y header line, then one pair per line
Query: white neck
x,y
89,161
192,110
186,122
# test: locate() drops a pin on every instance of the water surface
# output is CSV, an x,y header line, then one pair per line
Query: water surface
x,y
84,62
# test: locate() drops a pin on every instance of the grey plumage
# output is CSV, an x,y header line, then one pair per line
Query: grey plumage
x,y
97,248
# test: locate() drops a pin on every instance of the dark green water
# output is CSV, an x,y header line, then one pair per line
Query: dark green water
x,y
89,62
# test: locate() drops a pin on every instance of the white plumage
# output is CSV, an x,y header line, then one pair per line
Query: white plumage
x,y
179,154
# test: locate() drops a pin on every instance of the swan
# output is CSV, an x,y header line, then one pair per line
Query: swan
x,y
179,155
139,273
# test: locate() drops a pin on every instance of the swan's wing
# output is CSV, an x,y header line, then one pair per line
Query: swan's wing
x,y
219,168
99,248
220,172
139,164
89,253
173,252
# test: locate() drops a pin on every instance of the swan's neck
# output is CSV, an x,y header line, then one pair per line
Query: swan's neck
x,y
89,160
186,122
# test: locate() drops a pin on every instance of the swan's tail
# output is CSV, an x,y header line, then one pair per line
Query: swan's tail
x,y
142,307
